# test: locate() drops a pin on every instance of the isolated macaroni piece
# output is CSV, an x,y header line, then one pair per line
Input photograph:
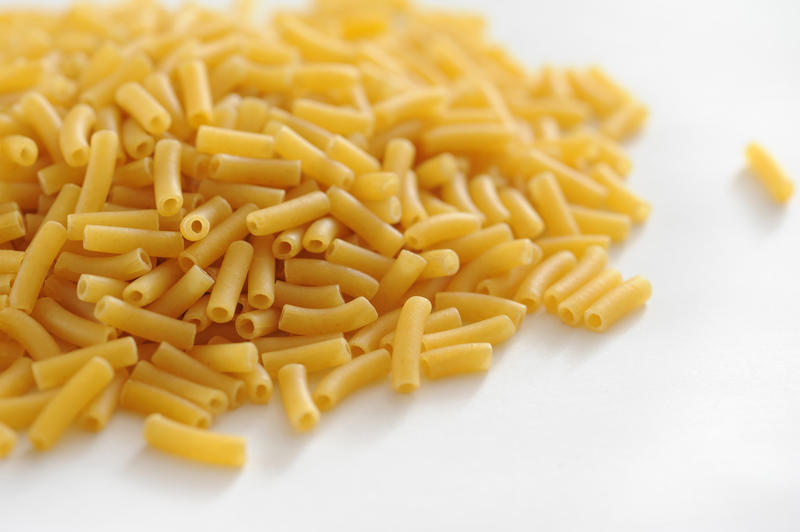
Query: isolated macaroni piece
x,y
349,377
193,443
408,344
456,359
303,414
769,172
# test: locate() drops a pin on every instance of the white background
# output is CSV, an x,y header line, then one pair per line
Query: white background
x,y
683,417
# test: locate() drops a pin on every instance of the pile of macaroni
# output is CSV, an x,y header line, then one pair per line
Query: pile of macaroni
x,y
194,206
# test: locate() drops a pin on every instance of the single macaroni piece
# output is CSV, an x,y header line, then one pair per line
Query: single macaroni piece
x,y
523,218
617,302
20,412
68,402
125,267
152,285
322,354
441,320
349,377
135,219
193,443
495,330
197,223
70,327
196,92
120,240
141,105
288,214
56,370
403,273
97,413
501,258
184,293
167,177
204,252
769,172
303,414
17,379
315,272
240,357
440,228
74,135
456,359
594,221
29,333
8,440
381,236
531,290
39,257
147,399
99,171
254,171
552,206
257,383
408,344
144,323
477,307
212,140
342,318
230,281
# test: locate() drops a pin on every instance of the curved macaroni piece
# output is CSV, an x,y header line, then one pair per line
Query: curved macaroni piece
x,y
196,92
121,240
12,226
37,111
590,265
151,285
317,356
456,360
375,186
344,253
342,150
204,252
408,344
325,296
56,370
135,219
439,263
379,235
212,140
17,379
257,383
289,243
594,221
483,192
551,205
28,333
620,198
471,246
147,399
19,149
172,360
98,412
68,401
144,323
167,177
501,258
291,146
403,273
70,327
440,320
353,315
617,302
239,357
257,323
413,211
494,330
123,267
349,377
99,171
141,105
523,218
321,233
532,289
230,281
572,309
211,399
437,171
74,134
769,172
261,277
137,143
291,213
303,414
440,228
39,257
19,412
575,244
193,443
477,307
197,223
315,272
184,293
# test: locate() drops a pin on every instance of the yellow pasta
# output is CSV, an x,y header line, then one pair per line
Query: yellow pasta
x,y
213,140
572,309
405,270
321,354
531,291
167,177
381,236
334,118
575,244
144,323
39,113
96,415
99,171
196,92
484,194
303,414
197,223
38,259
375,186
314,272
140,104
240,357
135,219
119,240
471,246
8,440
193,443
324,296
254,171
288,214
20,412
67,403
19,149
56,370
204,252
440,228
70,327
211,399
408,344
256,323
501,258
523,218
494,330
552,206
148,399
185,292
12,226
476,307
359,161
29,333
123,267
620,198
441,320
769,172
346,317
617,302
349,377
599,222
456,359
591,263
257,383
261,277
239,195
439,263
229,282
151,285
56,176
17,379
65,292
170,359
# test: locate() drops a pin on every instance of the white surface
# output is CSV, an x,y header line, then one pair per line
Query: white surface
x,y
683,417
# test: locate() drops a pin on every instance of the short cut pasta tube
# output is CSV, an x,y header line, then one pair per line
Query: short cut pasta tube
x,y
147,399
316,164
19,412
196,224
523,219
67,403
197,103
211,399
70,327
769,172
440,228
254,171
172,360
261,277
315,272
349,377
137,219
140,104
288,214
152,285
501,258
12,226
120,240
350,316
494,330
456,360
187,290
532,289
17,379
123,267
325,296
99,171
321,354
379,235
39,256
213,140
55,371
144,323
303,414
194,444
571,310
74,134
552,206
167,177
29,333
403,273
346,254
590,264
617,302
230,281
256,323
8,440
204,252
476,307
408,344
98,412
239,357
